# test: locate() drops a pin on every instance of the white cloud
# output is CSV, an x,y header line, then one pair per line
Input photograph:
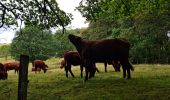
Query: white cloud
x,y
6,36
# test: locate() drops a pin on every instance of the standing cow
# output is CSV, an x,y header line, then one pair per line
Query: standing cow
x,y
102,51
3,72
41,65
72,58
12,66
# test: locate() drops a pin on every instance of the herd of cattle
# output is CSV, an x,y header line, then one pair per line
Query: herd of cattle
x,y
108,51
4,68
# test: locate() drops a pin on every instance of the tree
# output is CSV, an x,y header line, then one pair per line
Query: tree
x,y
42,13
63,44
143,22
35,43
5,51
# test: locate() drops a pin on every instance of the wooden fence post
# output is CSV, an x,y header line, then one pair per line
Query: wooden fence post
x,y
23,77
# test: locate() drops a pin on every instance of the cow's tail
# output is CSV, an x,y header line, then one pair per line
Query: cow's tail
x,y
131,67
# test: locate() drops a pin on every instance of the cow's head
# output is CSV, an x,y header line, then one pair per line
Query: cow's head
x,y
74,39
62,64
45,68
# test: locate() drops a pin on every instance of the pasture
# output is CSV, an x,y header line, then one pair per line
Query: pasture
x,y
149,82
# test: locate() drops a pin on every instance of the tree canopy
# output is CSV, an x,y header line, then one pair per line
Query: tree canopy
x,y
143,22
35,43
42,13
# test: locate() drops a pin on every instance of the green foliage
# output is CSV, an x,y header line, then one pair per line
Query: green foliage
x,y
42,13
99,29
5,51
35,43
63,44
143,22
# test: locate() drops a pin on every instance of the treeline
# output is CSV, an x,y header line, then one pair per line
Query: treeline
x,y
144,23
38,44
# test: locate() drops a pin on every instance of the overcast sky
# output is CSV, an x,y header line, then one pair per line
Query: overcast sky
x,y
67,5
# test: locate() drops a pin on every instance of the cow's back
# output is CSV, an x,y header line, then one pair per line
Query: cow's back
x,y
109,49
72,57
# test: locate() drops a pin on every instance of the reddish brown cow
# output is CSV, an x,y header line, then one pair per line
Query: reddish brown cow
x,y
12,66
3,72
71,58
41,65
102,51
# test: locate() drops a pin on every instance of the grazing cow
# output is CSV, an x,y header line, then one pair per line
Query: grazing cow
x,y
72,58
3,72
102,51
41,65
12,66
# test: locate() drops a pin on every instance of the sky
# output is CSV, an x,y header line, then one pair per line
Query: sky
x,y
68,6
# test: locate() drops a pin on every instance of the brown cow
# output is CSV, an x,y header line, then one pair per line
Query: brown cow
x,y
3,72
12,66
41,65
102,51
72,58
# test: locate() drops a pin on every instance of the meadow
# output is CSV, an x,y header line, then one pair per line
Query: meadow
x,y
149,82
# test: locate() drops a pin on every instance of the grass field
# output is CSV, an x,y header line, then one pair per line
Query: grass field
x,y
149,82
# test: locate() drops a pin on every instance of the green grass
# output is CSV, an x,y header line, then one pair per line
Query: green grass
x,y
149,82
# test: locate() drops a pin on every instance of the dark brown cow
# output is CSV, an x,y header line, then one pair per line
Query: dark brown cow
x,y
3,72
72,58
12,66
41,65
102,51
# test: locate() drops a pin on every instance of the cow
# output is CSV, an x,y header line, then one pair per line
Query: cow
x,y
3,72
92,51
41,65
72,58
12,66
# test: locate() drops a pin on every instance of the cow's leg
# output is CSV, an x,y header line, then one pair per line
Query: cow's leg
x,y
66,69
124,68
105,65
35,69
128,70
69,69
92,69
95,68
81,69
86,69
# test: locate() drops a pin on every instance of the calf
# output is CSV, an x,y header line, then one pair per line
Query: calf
x,y
72,58
102,51
41,65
